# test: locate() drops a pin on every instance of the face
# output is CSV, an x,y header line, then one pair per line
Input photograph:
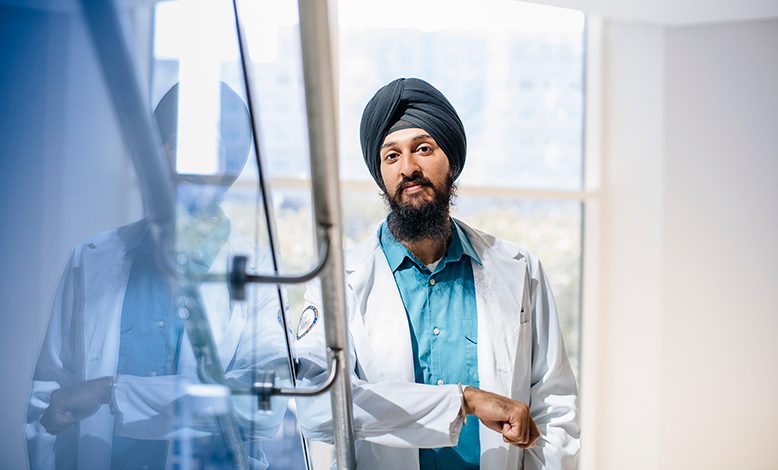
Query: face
x,y
412,166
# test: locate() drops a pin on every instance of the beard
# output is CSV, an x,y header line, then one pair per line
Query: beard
x,y
430,220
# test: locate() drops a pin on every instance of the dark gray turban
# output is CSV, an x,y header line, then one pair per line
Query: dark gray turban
x,y
406,103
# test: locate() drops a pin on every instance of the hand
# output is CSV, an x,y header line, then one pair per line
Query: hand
x,y
71,404
510,418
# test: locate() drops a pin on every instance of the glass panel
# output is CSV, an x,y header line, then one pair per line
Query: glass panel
x,y
219,215
74,199
143,330
513,71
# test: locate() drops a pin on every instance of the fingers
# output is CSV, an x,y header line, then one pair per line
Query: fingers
x,y
510,418
74,403
524,435
534,433
522,430
56,420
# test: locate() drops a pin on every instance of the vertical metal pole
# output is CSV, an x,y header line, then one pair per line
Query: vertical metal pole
x,y
323,137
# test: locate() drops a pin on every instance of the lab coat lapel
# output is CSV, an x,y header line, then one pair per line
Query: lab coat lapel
x,y
500,296
105,270
379,327
499,287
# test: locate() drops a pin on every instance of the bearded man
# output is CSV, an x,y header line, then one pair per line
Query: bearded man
x,y
445,321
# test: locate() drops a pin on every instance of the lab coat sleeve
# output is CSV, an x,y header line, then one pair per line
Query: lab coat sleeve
x,y
390,413
553,392
151,407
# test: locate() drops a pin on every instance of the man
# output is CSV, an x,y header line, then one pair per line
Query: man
x,y
434,305
110,388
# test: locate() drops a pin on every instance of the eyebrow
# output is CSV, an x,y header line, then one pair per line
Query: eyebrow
x,y
418,137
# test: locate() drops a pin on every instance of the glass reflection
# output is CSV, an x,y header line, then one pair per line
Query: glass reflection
x,y
118,383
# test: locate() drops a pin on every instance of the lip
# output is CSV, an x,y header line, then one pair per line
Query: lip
x,y
412,188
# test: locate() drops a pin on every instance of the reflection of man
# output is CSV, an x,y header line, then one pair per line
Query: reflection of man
x,y
434,303
111,381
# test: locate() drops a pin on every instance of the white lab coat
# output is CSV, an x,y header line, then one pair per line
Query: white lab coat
x,y
521,355
82,343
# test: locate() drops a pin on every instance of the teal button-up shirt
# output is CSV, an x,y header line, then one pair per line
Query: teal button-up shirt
x,y
442,315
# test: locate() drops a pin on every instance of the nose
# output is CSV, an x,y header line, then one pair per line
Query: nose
x,y
409,164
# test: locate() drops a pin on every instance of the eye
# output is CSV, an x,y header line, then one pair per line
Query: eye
x,y
425,149
391,156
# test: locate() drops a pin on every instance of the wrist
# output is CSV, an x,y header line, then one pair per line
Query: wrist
x,y
469,397
107,384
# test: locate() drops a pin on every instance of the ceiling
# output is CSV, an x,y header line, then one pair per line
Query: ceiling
x,y
663,12
673,12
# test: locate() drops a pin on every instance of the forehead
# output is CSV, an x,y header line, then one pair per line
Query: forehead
x,y
405,136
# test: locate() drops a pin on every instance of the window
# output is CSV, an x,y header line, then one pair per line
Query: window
x,y
514,72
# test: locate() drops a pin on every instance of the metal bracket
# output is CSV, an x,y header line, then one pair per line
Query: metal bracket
x,y
264,387
238,277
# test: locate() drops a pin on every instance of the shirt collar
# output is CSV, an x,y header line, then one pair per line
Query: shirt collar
x,y
463,243
205,250
143,239
396,252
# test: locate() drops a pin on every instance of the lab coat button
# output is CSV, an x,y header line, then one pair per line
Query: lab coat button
x,y
440,382
436,331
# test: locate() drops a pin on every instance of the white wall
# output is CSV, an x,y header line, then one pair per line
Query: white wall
x,y
720,276
686,352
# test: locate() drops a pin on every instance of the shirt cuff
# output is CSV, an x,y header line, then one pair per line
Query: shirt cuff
x,y
458,422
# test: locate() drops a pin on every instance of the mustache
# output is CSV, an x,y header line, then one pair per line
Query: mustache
x,y
412,180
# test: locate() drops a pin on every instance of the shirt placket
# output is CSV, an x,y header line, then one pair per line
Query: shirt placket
x,y
433,331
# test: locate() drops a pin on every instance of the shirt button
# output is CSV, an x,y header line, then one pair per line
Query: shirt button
x,y
161,323
436,331
440,382
153,373
432,282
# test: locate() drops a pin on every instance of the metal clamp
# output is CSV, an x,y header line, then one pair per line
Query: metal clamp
x,y
264,387
238,276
